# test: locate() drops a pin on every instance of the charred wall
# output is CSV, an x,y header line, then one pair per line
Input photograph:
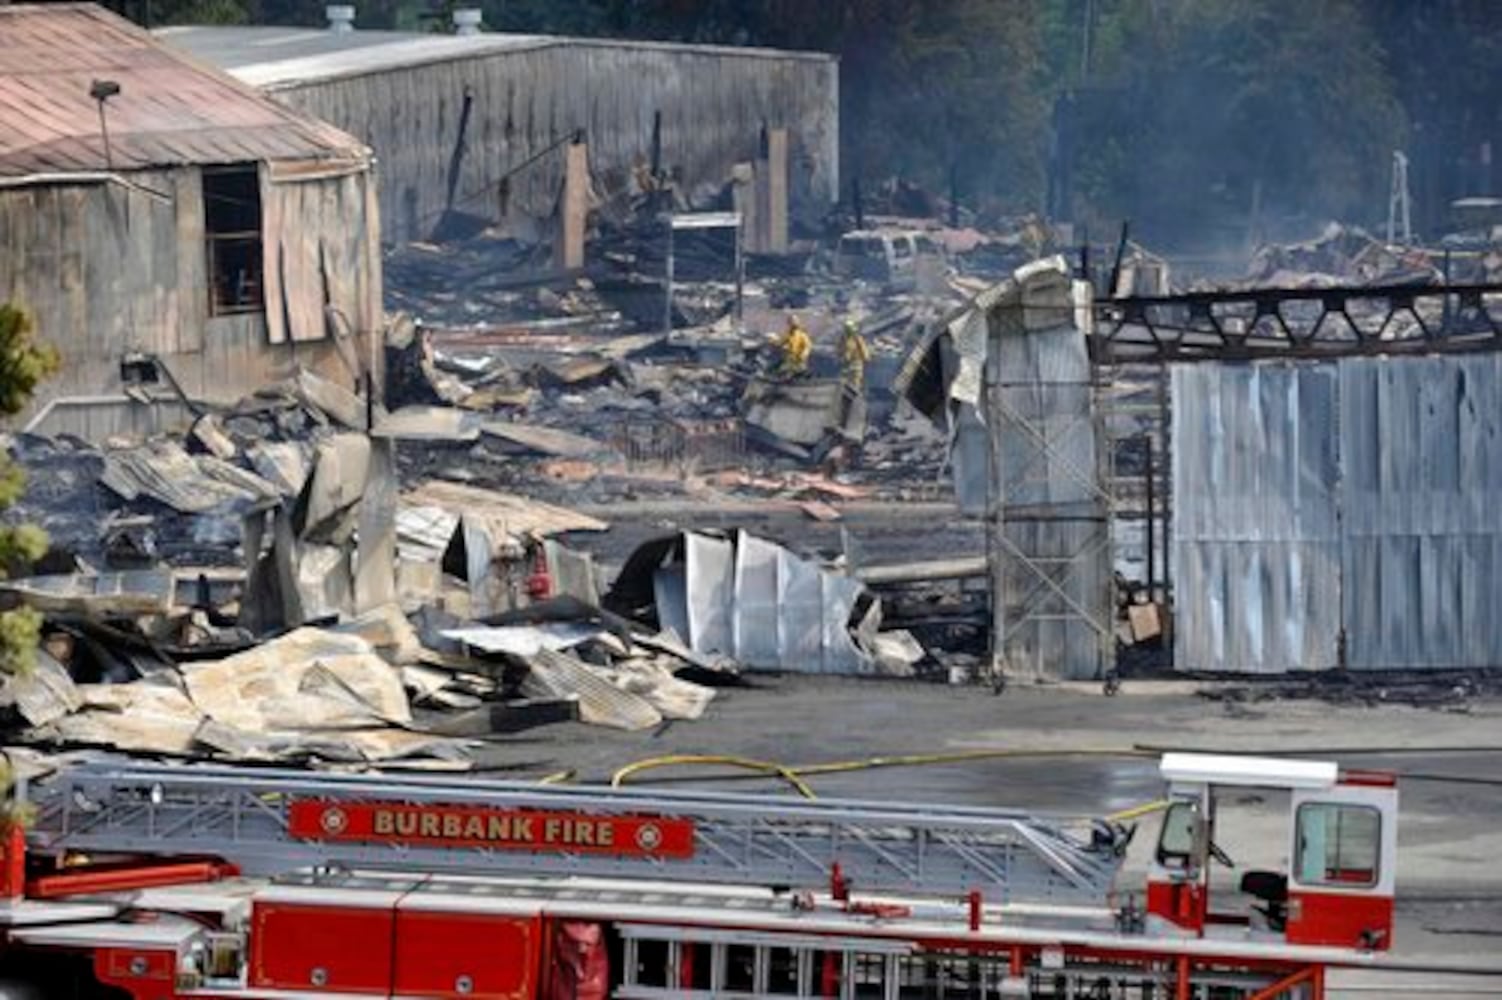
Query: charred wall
x,y
109,269
713,102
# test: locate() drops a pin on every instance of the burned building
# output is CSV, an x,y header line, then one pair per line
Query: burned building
x,y
478,122
163,222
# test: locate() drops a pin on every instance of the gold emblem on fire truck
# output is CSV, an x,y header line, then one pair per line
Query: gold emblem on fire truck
x,y
648,836
333,821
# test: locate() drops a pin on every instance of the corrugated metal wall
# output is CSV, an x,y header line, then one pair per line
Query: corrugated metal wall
x,y
714,104
1356,497
1421,511
1256,553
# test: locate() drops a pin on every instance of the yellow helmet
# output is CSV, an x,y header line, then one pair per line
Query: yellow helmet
x,y
793,321
851,326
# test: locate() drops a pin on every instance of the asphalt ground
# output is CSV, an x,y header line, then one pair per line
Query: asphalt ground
x,y
1449,908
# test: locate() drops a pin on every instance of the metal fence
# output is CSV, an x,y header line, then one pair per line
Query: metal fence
x,y
656,442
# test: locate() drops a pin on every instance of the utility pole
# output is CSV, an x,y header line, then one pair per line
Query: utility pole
x,y
1399,222
1087,42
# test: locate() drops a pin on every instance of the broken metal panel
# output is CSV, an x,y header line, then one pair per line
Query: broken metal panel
x,y
670,593
838,652
757,604
710,582
751,600
324,583
970,461
557,674
525,640
801,412
508,515
1025,449
189,484
375,559
572,572
340,470
800,630
42,694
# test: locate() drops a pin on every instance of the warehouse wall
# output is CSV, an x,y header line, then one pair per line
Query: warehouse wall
x,y
1338,512
109,269
714,104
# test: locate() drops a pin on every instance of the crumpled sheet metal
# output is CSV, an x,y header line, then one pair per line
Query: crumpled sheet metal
x,y
525,640
308,694
189,484
505,515
307,679
756,602
601,702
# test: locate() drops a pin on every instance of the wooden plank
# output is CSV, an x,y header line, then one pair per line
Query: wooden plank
x,y
777,190
72,295
572,213
192,307
271,257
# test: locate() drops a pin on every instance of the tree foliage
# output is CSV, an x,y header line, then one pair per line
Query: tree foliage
x,y
1183,115
23,363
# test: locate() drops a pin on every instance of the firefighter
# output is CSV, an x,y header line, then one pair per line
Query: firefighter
x,y
854,354
796,348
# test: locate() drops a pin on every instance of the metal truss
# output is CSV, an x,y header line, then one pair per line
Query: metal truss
x,y
1298,323
242,816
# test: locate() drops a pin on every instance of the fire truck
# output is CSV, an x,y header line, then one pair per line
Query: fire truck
x,y
160,882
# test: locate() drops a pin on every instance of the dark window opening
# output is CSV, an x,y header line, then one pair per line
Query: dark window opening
x,y
652,963
740,968
782,971
232,232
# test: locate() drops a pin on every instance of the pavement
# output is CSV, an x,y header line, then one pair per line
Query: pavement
x,y
1449,908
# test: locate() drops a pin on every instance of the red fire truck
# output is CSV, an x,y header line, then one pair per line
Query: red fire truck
x,y
161,882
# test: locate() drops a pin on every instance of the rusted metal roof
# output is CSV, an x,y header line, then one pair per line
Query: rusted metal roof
x,y
170,110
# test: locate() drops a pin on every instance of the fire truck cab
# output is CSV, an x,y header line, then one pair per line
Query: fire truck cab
x,y
1341,838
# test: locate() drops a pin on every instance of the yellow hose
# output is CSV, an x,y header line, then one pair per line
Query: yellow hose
x,y
794,775
790,775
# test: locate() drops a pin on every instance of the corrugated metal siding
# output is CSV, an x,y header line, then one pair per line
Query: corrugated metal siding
x,y
170,109
1291,524
1421,445
714,105
1256,554
1056,559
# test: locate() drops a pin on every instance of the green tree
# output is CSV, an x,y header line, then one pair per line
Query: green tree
x,y
1211,107
23,363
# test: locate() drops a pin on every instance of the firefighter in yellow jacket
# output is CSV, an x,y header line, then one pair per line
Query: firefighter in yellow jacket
x,y
853,355
797,347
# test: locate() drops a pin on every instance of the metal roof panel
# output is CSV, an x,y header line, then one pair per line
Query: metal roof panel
x,y
171,109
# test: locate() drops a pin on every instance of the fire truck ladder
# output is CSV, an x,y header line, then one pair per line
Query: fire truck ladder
x,y
242,816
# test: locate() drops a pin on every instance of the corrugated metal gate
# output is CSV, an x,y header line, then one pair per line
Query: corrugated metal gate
x,y
1337,513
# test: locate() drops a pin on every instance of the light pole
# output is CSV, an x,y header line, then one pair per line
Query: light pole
x,y
101,91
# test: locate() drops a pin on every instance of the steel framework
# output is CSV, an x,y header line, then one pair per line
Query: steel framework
x,y
1297,323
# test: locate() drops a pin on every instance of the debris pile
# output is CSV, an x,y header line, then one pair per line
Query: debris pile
x,y
268,587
